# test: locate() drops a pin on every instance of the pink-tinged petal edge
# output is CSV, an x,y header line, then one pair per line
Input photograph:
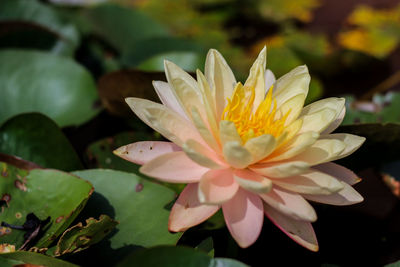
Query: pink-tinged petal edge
x,y
299,231
217,186
145,151
188,211
244,217
174,167
339,172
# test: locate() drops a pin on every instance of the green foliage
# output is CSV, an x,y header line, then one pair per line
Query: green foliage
x,y
46,193
139,206
24,257
175,257
55,86
23,20
37,138
80,237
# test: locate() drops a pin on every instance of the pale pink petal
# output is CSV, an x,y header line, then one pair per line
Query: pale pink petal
x,y
310,182
144,151
346,196
188,211
217,186
252,181
203,156
174,167
339,172
300,231
168,98
244,217
290,204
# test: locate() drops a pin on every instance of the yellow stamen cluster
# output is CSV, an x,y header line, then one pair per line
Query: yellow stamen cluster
x,y
239,110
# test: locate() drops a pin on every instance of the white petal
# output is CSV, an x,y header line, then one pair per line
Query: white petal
x,y
318,116
252,181
310,182
236,155
256,78
336,123
353,142
346,196
280,170
201,155
294,106
228,132
168,98
339,172
301,232
260,146
204,131
185,88
163,120
143,152
291,84
290,204
220,78
295,146
323,150
269,79
174,167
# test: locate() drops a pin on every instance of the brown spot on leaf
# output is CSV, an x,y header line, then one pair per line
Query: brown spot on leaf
x,y
18,215
20,185
6,198
139,187
59,219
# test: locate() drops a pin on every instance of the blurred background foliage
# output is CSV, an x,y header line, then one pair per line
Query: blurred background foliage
x,y
67,65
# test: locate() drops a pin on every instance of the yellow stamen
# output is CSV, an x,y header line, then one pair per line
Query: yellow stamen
x,y
249,124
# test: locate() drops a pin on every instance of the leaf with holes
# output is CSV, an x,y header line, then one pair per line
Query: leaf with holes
x,y
43,192
79,237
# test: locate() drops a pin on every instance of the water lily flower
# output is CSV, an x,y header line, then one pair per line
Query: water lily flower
x,y
252,149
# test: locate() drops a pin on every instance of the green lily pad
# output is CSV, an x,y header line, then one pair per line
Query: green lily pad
x,y
122,27
79,237
37,138
43,192
189,61
24,257
138,204
55,86
32,24
167,256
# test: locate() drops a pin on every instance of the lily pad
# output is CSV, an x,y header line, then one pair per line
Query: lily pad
x,y
168,256
79,237
45,193
37,138
42,82
25,258
138,204
30,23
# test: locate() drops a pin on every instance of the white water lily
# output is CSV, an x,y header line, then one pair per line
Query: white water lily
x,y
251,148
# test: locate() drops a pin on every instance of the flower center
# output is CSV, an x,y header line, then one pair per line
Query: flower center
x,y
251,124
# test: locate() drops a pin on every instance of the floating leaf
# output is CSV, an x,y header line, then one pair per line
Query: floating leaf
x,y
30,23
207,245
79,237
189,61
376,32
43,192
122,27
140,207
25,258
175,257
37,138
42,82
